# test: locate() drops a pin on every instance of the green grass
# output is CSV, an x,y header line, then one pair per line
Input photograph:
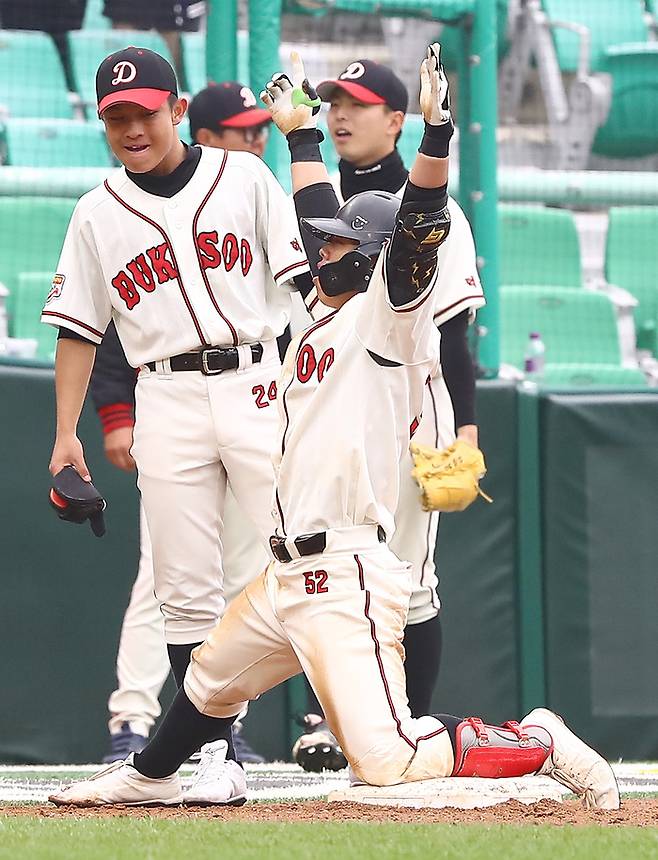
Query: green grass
x,y
151,839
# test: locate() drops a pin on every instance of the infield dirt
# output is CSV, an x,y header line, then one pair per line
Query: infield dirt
x,y
636,812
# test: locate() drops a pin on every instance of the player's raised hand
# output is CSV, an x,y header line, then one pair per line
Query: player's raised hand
x,y
292,101
434,90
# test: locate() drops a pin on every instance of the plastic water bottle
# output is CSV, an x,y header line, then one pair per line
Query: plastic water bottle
x,y
535,357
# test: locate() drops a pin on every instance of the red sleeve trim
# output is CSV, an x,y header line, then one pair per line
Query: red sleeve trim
x,y
116,415
458,302
290,268
73,320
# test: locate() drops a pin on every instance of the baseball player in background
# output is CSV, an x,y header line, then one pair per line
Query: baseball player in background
x,y
142,663
191,251
334,602
367,107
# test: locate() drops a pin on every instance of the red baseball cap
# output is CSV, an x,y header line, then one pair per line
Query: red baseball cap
x,y
228,104
134,75
368,82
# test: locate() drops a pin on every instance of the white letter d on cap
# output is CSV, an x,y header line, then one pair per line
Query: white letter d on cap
x,y
126,72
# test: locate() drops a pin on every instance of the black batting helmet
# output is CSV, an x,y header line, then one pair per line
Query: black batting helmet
x,y
368,218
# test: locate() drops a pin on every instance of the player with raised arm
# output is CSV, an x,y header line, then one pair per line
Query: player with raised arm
x,y
334,602
367,110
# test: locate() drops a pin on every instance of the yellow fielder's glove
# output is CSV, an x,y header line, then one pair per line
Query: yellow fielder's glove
x,y
449,478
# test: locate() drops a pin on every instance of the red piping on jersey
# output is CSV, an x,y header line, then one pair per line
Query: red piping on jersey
x,y
459,302
382,673
288,268
73,320
431,515
148,220
308,332
415,307
234,333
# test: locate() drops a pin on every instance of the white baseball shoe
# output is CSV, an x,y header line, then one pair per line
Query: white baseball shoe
x,y
217,782
121,783
574,764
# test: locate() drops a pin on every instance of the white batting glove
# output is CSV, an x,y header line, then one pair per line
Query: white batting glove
x,y
434,90
294,104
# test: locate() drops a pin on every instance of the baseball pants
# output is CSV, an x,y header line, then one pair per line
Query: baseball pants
x,y
142,660
339,617
415,529
194,435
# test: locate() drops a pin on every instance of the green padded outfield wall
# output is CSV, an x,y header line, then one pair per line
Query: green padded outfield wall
x,y
600,560
476,561
64,591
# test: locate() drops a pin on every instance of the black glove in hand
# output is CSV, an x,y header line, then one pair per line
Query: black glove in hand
x,y
76,500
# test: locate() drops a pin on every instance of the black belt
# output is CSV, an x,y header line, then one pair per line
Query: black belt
x,y
311,544
211,361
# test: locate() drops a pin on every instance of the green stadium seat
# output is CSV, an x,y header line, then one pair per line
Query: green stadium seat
x,y
412,133
94,18
54,143
448,10
538,245
631,128
593,375
88,48
193,47
184,131
32,80
575,325
631,262
33,288
32,231
329,155
610,23
194,60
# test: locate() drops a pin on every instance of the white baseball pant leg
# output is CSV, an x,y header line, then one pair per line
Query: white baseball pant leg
x,y
415,529
340,618
189,429
142,660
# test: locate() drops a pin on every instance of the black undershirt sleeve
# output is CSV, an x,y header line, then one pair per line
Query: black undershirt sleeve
x,y
457,367
67,333
408,271
315,201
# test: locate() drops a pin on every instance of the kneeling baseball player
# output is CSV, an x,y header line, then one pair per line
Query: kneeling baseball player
x,y
334,603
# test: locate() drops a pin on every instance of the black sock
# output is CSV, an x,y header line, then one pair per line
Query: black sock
x,y
181,733
422,644
451,724
313,706
179,657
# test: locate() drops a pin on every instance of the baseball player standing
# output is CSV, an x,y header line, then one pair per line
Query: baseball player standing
x,y
368,103
142,664
334,603
190,251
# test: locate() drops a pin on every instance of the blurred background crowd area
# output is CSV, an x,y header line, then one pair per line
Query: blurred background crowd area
x,y
576,141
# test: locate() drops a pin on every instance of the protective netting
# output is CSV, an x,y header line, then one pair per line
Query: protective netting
x,y
577,150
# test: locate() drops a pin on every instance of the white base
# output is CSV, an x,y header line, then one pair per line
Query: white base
x,y
457,792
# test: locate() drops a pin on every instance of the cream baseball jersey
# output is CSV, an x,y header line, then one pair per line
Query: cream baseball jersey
x,y
207,266
350,397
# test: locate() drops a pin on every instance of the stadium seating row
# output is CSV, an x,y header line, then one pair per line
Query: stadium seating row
x,y
540,246
539,292
598,72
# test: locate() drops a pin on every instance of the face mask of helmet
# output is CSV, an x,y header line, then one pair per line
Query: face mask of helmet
x,y
351,272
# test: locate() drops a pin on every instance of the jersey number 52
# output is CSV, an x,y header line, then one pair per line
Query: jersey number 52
x,y
315,582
